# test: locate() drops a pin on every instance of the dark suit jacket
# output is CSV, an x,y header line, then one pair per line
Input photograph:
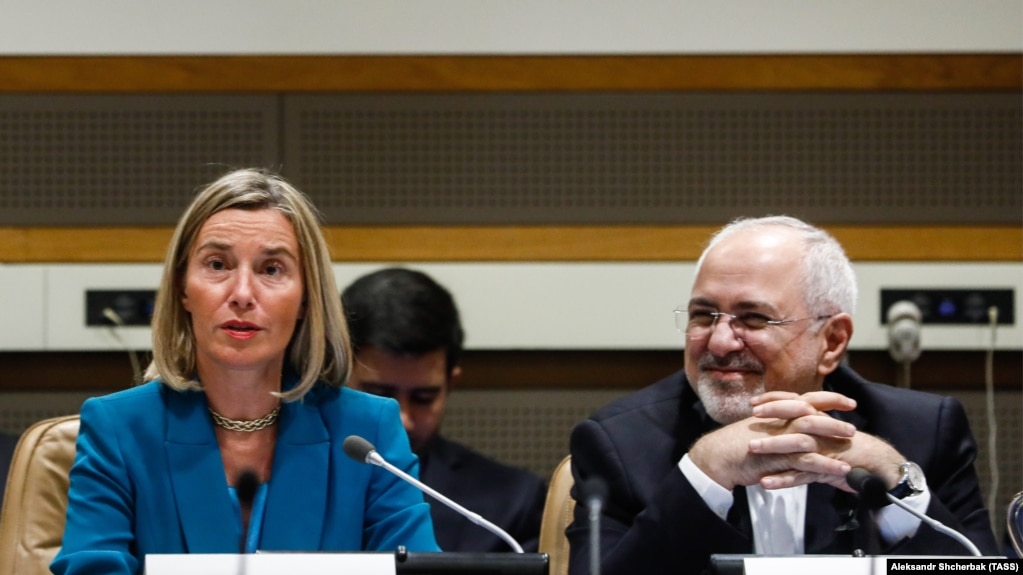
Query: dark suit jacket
x,y
508,497
655,522
7,445
148,478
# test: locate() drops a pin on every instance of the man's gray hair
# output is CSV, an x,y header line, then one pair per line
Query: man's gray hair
x,y
829,283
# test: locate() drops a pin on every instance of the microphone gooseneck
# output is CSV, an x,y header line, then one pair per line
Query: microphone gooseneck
x,y
363,451
594,489
872,488
594,492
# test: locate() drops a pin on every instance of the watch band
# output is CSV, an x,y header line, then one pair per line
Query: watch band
x,y
912,482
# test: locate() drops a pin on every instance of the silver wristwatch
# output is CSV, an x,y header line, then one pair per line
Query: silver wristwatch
x,y
912,483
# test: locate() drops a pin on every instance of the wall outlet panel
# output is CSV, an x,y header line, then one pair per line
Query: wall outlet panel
x,y
508,306
67,284
130,307
954,306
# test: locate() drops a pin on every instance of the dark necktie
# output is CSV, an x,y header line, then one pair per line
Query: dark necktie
x,y
738,515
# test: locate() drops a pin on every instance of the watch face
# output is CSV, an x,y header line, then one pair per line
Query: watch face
x,y
914,476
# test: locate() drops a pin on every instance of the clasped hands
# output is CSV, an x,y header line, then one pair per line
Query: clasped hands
x,y
790,440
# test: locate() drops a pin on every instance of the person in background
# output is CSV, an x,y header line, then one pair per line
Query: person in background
x,y
7,445
747,449
234,443
407,338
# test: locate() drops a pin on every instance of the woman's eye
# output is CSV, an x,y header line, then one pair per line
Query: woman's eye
x,y
273,270
217,265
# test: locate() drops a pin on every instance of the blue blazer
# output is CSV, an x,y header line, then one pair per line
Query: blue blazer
x,y
148,478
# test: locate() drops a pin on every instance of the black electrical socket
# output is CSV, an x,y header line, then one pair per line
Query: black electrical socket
x,y
133,307
954,306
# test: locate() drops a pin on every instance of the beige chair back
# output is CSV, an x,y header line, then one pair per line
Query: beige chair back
x,y
35,500
1014,523
557,515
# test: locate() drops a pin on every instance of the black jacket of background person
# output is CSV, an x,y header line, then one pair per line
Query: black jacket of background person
x,y
655,522
7,445
507,496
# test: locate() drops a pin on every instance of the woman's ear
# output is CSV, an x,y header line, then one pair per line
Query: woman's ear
x,y
835,334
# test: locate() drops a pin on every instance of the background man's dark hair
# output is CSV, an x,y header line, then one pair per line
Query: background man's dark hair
x,y
403,312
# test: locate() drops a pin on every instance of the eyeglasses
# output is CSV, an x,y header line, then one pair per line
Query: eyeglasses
x,y
699,323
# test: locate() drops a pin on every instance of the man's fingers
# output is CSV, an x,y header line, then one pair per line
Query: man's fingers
x,y
820,400
784,409
789,470
798,443
822,425
829,401
794,478
785,443
819,425
773,396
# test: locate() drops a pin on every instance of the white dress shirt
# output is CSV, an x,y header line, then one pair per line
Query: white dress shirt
x,y
778,516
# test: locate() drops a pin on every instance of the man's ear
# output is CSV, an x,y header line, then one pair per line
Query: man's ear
x,y
454,376
836,334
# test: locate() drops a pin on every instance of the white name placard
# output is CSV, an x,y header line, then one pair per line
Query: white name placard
x,y
270,563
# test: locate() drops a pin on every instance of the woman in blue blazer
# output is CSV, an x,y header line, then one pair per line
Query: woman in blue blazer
x,y
234,444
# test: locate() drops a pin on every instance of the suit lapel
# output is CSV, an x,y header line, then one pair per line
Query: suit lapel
x,y
208,518
830,521
296,505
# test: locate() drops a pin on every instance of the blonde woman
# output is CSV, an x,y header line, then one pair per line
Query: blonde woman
x,y
234,443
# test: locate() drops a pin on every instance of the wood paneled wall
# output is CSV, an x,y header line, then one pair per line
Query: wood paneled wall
x,y
295,74
132,74
132,244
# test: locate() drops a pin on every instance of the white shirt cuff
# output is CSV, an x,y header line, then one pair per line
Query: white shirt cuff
x,y
715,496
895,523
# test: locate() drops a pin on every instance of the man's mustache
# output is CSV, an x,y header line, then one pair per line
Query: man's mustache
x,y
730,361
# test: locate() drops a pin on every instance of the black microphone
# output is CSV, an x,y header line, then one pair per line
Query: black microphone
x,y
872,489
594,491
245,487
363,451
872,496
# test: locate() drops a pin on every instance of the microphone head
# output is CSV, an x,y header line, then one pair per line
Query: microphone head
x,y
358,448
870,487
246,485
594,488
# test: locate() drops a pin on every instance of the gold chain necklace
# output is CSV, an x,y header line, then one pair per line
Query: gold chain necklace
x,y
243,425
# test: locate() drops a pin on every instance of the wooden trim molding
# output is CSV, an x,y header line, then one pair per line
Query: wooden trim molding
x,y
519,243
197,74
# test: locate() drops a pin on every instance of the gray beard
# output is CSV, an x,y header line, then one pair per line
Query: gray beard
x,y
726,403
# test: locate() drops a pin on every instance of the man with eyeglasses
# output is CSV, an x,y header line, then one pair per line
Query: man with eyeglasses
x,y
747,449
407,338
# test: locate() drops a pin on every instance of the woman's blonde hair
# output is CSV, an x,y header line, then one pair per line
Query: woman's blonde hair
x,y
319,348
